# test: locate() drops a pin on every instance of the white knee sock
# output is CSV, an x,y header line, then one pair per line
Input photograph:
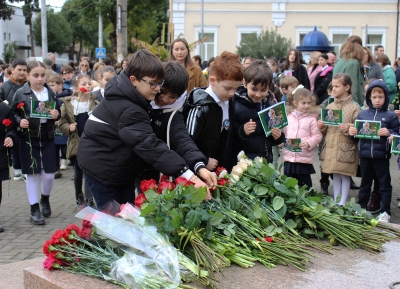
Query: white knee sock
x,y
47,183
345,189
32,188
337,186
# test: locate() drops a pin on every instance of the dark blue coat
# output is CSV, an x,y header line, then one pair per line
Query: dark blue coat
x,y
378,149
255,144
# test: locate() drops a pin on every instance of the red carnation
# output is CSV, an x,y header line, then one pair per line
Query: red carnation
x,y
219,170
164,178
86,233
51,263
57,236
6,122
269,239
222,182
182,181
21,105
82,89
140,200
71,229
165,185
147,185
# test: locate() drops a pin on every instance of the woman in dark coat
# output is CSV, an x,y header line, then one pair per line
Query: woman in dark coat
x,y
323,78
293,65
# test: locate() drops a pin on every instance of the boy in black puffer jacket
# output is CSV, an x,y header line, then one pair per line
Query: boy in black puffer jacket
x,y
249,134
375,154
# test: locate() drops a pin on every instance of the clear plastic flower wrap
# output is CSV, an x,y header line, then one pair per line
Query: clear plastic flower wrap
x,y
159,262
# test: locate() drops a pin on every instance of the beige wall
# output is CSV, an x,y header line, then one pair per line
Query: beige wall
x,y
228,16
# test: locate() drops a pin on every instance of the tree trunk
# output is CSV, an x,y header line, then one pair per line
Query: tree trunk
x,y
71,51
113,38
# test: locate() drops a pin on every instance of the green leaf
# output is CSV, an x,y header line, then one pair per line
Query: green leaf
x,y
291,182
260,190
320,208
278,203
257,211
291,223
282,211
174,213
198,196
147,209
280,187
216,219
168,227
193,219
247,181
269,229
176,222
309,231
205,216
252,171
151,195
340,211
314,198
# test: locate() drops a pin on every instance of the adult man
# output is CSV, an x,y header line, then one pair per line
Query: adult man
x,y
49,71
379,49
331,59
54,66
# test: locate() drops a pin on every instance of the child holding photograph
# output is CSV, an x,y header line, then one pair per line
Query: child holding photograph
x,y
36,140
338,154
249,134
375,154
302,124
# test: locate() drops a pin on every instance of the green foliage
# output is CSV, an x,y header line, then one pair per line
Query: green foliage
x,y
266,45
6,11
59,33
28,8
9,51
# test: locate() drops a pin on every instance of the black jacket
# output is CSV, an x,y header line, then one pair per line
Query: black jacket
x,y
180,141
5,113
255,144
8,89
321,84
114,147
25,95
300,72
203,118
378,149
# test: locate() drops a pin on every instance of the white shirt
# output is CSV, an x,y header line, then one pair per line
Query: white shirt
x,y
79,107
42,96
323,68
223,104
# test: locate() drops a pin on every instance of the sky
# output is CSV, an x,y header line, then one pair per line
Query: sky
x,y
56,4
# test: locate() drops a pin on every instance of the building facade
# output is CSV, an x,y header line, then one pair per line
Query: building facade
x,y
226,22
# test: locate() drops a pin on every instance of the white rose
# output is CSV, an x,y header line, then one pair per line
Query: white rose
x,y
222,174
260,159
232,181
237,170
243,164
241,156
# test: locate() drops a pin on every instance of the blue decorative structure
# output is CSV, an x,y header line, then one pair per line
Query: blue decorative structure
x,y
315,41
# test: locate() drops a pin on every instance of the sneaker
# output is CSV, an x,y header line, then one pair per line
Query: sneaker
x,y
398,205
17,175
90,202
80,200
374,204
24,177
57,174
384,217
63,165
324,189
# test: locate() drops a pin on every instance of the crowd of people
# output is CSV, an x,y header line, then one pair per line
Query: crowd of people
x,y
117,127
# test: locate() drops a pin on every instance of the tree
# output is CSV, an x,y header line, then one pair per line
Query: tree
x,y
9,51
28,8
59,33
266,45
6,11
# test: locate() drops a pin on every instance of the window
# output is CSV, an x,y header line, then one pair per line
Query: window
x,y
5,36
244,32
9,36
28,39
302,31
374,36
338,35
209,48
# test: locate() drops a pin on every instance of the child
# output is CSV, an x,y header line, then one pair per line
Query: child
x,y
36,140
168,103
209,113
249,134
67,74
322,79
103,77
7,91
375,154
119,134
8,137
338,154
56,84
288,84
74,114
301,125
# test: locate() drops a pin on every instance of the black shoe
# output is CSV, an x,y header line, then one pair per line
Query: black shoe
x,y
324,188
90,203
353,185
58,174
398,198
1,228
375,203
36,216
80,200
44,202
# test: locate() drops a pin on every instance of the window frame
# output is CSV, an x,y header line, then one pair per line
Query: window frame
x,y
339,30
374,30
206,29
247,30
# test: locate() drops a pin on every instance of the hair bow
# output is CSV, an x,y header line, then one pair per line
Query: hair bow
x,y
299,86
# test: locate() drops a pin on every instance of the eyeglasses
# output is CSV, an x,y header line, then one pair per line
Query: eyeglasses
x,y
85,65
154,85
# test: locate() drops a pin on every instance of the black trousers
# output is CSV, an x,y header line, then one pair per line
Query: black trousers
x,y
380,169
303,179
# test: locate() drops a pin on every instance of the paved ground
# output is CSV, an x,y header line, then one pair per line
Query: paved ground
x,y
21,240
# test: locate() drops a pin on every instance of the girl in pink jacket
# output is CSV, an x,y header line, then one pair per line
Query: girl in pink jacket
x,y
302,124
